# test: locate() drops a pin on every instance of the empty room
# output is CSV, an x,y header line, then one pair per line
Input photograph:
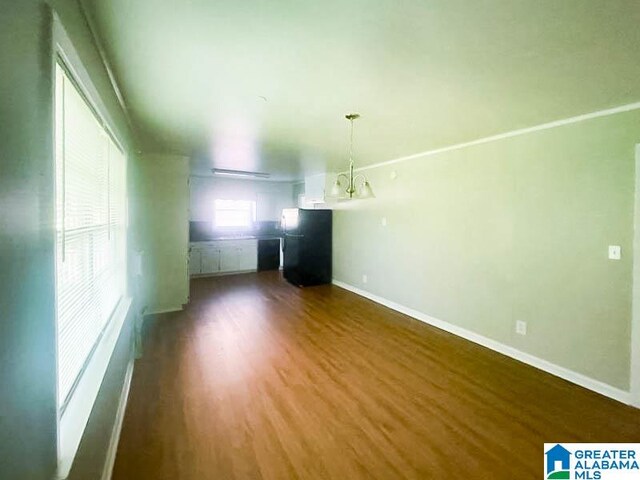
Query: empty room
x,y
319,239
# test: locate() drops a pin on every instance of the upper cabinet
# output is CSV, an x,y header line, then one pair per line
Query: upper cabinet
x,y
314,188
317,190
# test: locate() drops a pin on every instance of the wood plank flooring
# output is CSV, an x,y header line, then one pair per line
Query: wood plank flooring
x,y
257,379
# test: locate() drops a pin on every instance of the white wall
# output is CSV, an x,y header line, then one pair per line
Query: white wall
x,y
164,230
270,197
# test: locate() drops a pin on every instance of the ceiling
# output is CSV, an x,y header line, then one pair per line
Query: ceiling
x,y
264,85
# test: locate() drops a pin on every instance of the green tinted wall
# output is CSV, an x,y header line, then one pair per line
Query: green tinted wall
x,y
163,198
27,321
515,229
27,297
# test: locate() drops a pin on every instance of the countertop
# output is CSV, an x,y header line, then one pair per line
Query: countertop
x,y
239,237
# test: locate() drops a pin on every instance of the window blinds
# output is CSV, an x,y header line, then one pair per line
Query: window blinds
x,y
90,231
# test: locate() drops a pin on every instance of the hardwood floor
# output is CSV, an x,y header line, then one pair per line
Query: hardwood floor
x,y
259,379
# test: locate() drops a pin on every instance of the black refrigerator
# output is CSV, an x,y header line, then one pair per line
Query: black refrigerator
x,y
307,246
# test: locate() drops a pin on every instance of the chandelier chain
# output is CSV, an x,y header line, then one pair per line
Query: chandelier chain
x,y
351,142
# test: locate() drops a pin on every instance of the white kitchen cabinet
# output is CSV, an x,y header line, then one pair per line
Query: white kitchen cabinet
x,y
210,258
223,256
317,190
314,188
195,261
248,256
229,259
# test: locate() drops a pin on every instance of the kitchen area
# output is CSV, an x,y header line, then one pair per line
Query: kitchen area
x,y
235,224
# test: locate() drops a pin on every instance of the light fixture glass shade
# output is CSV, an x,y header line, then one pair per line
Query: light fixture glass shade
x,y
366,191
335,190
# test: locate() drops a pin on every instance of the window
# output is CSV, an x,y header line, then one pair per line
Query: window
x,y
90,232
234,213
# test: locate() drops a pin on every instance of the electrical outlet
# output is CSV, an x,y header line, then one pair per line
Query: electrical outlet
x,y
614,252
521,327
384,221
364,279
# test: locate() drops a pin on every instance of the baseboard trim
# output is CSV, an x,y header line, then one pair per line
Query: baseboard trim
x,y
221,274
539,363
117,425
164,310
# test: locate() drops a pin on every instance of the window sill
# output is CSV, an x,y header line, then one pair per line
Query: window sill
x,y
76,415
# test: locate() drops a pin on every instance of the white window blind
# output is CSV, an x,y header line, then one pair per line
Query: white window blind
x,y
90,231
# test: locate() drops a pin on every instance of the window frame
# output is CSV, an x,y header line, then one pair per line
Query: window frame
x,y
62,403
73,414
252,213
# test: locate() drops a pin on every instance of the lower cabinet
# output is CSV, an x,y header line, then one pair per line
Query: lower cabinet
x,y
229,259
248,257
224,256
210,259
195,261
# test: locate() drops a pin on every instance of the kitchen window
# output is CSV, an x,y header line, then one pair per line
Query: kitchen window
x,y
234,213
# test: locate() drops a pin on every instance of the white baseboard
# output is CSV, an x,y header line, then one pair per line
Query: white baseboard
x,y
117,425
564,373
164,310
193,276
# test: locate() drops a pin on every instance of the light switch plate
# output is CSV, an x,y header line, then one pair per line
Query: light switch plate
x,y
384,221
614,252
